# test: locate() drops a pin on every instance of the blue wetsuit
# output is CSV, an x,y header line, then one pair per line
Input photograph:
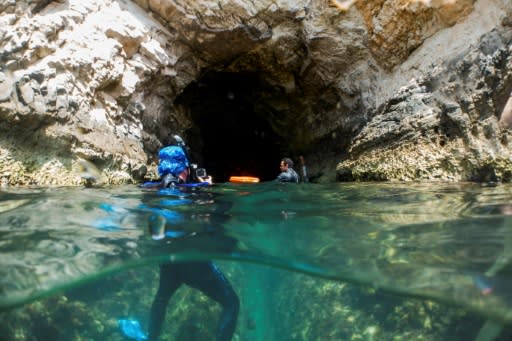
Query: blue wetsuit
x,y
202,275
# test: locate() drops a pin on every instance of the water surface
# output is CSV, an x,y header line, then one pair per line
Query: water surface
x,y
309,262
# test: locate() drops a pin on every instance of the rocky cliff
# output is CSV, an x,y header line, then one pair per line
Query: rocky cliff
x,y
365,90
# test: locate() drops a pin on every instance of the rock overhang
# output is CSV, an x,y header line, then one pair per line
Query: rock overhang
x,y
318,74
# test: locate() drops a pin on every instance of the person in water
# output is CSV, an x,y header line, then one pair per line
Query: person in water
x,y
205,276
288,174
303,168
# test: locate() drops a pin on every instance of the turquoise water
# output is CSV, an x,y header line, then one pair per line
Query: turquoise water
x,y
371,261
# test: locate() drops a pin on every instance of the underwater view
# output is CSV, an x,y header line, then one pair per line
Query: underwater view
x,y
344,261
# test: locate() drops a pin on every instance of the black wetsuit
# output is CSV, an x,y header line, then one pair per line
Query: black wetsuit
x,y
204,276
288,175
201,275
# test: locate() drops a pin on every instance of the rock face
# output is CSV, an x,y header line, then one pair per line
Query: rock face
x,y
365,90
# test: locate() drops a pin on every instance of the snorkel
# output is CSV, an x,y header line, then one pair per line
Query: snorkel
x,y
181,143
194,172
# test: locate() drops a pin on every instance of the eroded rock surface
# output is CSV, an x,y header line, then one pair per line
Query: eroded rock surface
x,y
376,90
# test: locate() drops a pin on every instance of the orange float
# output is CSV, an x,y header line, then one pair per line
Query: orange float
x,y
244,179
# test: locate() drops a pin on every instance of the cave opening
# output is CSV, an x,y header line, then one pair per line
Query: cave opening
x,y
232,133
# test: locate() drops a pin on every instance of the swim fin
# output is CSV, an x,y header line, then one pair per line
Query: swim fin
x,y
132,329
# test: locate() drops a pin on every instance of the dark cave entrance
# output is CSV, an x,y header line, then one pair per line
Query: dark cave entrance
x,y
231,133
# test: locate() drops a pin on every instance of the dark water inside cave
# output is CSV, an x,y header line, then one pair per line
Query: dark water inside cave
x,y
351,261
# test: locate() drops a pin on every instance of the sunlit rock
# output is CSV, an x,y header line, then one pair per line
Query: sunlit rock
x,y
375,90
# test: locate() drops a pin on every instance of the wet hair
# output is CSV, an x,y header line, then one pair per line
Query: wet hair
x,y
288,162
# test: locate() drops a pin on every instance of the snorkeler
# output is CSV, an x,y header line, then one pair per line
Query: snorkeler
x,y
288,174
174,170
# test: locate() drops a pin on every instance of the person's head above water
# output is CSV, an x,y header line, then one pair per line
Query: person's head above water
x,y
287,173
286,163
172,161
